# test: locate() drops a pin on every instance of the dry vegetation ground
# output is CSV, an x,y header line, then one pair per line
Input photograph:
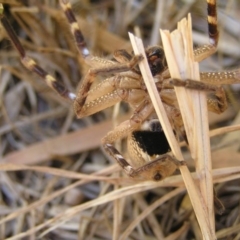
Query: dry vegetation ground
x,y
55,178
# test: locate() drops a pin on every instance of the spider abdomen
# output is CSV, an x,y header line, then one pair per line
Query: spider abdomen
x,y
147,144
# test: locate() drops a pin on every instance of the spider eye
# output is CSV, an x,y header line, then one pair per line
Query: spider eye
x,y
157,177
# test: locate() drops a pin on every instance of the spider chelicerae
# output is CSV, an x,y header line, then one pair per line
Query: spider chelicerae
x,y
146,160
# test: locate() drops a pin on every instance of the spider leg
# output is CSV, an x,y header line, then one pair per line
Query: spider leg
x,y
217,105
124,129
156,170
91,76
76,32
213,33
220,78
141,113
31,65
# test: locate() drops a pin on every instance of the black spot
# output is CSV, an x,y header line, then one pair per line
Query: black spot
x,y
153,143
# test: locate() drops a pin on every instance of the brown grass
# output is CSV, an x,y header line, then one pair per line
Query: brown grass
x,y
56,182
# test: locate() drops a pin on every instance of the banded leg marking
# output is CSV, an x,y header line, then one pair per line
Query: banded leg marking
x,y
212,22
213,33
76,32
31,65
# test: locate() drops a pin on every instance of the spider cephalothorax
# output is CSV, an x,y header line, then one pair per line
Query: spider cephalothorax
x,y
156,59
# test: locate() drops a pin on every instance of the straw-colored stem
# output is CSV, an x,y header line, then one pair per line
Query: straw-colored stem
x,y
193,107
177,45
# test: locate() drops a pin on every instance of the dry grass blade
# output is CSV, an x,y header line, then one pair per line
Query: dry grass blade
x,y
68,214
197,200
224,130
55,171
221,175
89,138
148,210
178,50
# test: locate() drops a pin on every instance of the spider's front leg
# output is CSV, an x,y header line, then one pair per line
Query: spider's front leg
x,y
31,65
107,67
138,165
